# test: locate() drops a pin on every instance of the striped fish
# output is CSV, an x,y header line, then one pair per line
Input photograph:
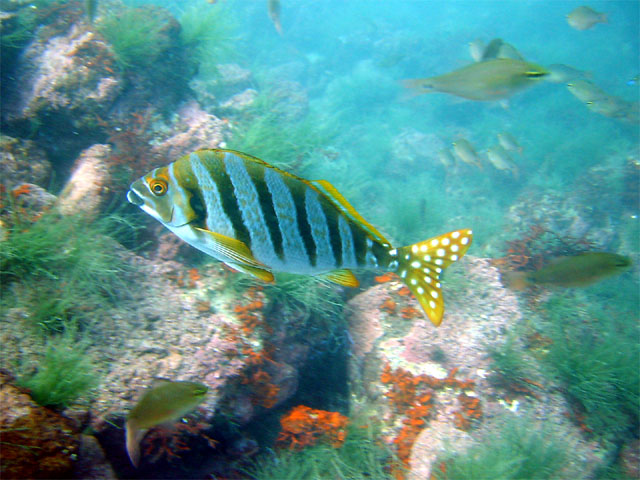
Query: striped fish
x,y
259,219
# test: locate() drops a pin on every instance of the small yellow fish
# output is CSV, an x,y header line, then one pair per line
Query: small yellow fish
x,y
559,73
446,158
501,160
465,152
274,13
576,271
586,91
164,402
509,142
583,18
493,79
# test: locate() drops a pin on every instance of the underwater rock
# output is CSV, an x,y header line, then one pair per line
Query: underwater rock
x,y
36,441
240,101
429,386
231,79
88,185
65,82
414,150
92,462
22,161
193,129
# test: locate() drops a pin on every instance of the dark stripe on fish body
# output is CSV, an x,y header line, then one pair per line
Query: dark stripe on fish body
x,y
256,172
381,253
359,243
297,190
331,213
230,203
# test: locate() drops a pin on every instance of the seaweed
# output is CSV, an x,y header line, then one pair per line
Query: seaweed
x,y
64,267
595,356
517,449
138,36
362,456
64,374
207,31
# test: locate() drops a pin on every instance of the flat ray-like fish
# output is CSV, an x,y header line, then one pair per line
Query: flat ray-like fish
x,y
259,219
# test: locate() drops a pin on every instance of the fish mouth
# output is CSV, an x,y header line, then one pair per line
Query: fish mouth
x,y
134,198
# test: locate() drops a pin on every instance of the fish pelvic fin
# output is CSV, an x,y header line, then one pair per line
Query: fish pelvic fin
x,y
420,266
134,436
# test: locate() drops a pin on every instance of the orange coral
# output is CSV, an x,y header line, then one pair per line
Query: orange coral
x,y
304,426
387,277
389,306
471,410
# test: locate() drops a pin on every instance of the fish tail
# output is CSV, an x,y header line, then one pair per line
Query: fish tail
x,y
420,265
133,438
416,86
515,280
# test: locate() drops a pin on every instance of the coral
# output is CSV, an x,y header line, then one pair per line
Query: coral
x,y
360,457
174,441
35,442
304,426
411,397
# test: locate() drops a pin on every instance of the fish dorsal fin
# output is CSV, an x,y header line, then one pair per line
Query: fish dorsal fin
x,y
329,191
230,248
344,277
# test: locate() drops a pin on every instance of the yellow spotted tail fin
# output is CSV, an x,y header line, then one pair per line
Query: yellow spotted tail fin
x,y
420,266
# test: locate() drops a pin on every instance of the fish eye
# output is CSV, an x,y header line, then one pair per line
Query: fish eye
x,y
158,187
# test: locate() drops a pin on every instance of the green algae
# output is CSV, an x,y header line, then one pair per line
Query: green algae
x,y
64,374
517,449
362,456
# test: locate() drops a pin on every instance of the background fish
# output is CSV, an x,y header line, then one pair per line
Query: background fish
x,y
501,160
583,18
559,73
166,401
493,79
465,152
576,271
274,13
509,142
258,219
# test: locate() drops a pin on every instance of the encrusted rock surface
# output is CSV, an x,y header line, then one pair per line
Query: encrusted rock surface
x,y
390,332
22,161
36,442
88,185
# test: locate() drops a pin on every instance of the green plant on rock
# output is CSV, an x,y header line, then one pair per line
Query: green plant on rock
x,y
207,31
62,267
596,360
137,35
64,374
361,457
516,450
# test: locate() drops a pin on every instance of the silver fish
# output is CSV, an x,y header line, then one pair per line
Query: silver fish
x,y
259,219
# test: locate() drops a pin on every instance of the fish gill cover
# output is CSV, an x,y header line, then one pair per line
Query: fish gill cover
x,y
527,133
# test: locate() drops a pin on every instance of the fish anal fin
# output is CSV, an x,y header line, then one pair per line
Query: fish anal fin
x,y
343,277
420,266
229,247
329,191
259,273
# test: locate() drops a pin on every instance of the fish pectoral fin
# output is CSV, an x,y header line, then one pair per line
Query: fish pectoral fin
x,y
343,276
259,273
230,248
